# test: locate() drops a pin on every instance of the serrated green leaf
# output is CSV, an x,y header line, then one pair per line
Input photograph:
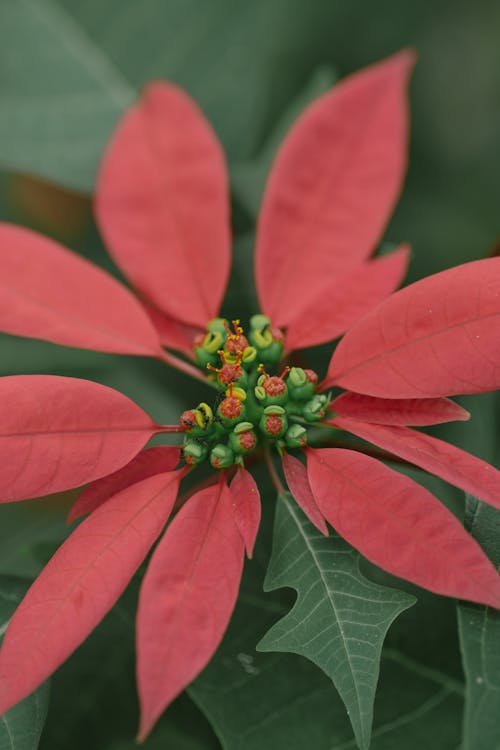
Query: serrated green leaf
x,y
21,727
479,629
69,69
249,178
264,701
340,618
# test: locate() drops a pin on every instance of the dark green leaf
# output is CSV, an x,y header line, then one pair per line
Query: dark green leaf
x,y
70,68
264,701
21,727
340,618
479,629
250,177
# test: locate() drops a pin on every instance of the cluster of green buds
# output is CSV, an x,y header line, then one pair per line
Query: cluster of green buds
x,y
254,408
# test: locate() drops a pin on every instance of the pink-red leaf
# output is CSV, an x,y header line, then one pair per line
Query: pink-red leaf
x,y
298,484
411,411
57,433
187,597
47,292
323,313
245,501
400,526
173,334
437,337
162,204
147,463
333,185
452,464
81,583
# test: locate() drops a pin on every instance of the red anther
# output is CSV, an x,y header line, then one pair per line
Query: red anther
x,y
187,420
285,373
274,385
247,440
311,376
274,424
230,372
236,342
231,407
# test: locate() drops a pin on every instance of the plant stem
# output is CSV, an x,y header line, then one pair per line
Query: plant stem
x,y
273,473
166,429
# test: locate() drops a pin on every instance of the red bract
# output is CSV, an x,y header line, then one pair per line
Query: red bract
x,y
162,205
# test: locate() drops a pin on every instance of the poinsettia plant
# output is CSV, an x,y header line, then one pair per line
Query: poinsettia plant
x,y
162,205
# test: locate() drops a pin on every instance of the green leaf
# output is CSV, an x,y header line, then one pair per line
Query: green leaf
x,y
70,68
21,727
340,618
264,701
249,178
479,629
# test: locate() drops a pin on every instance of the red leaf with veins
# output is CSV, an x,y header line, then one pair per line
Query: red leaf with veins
x,y
147,463
245,501
186,600
47,292
437,337
162,204
298,484
410,411
57,433
452,464
81,583
400,526
333,185
323,313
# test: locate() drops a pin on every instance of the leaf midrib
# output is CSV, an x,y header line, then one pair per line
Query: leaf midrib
x,y
334,608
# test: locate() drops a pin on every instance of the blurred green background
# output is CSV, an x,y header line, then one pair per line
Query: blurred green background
x,y
68,68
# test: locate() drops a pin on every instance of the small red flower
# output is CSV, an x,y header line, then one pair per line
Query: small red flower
x,y
162,206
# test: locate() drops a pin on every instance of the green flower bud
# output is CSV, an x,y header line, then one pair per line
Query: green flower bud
x,y
231,410
267,340
315,409
243,438
218,325
221,456
301,383
249,356
194,452
296,436
273,422
260,393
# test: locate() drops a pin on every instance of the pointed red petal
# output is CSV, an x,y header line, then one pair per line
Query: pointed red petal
x,y
81,583
162,204
452,464
298,484
147,463
172,333
410,411
48,292
437,337
333,186
57,433
332,308
186,600
245,501
400,526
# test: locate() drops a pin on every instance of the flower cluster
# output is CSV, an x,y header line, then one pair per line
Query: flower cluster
x,y
254,408
162,207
